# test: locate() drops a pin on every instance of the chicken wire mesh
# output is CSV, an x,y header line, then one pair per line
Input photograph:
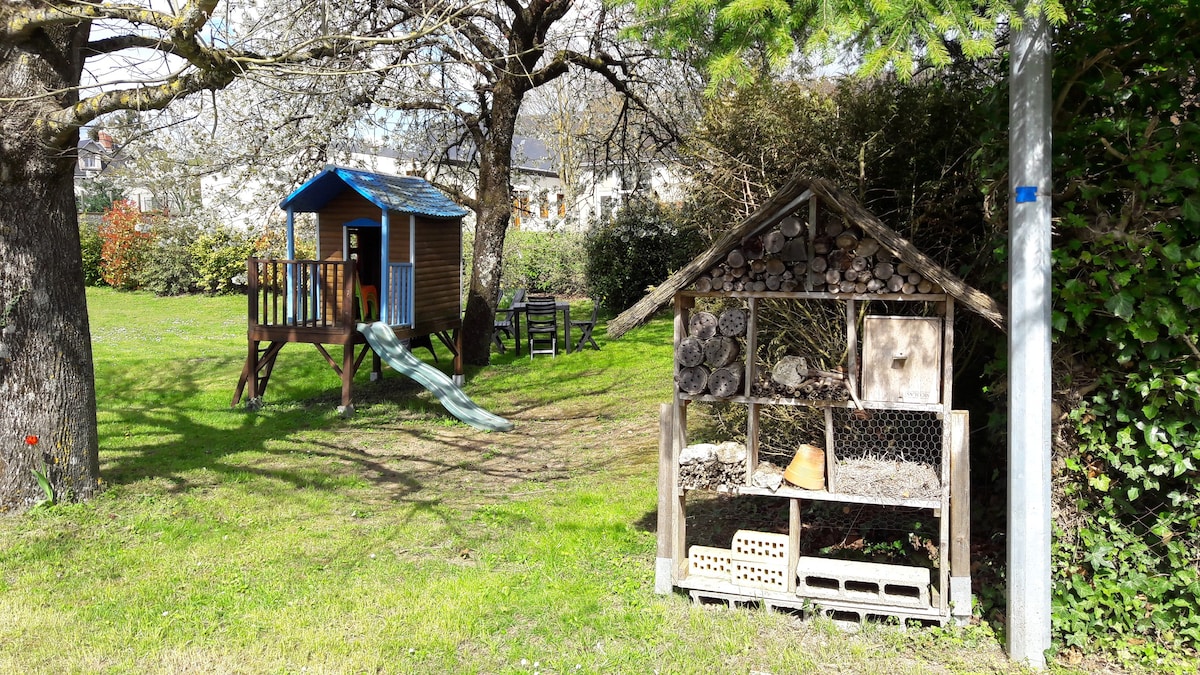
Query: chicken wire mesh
x,y
888,453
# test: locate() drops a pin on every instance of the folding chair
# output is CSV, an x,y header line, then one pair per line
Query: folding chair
x,y
503,322
541,314
586,327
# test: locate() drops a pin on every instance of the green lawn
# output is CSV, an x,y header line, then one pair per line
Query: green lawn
x,y
400,541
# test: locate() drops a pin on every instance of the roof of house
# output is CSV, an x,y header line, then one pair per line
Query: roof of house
x,y
795,192
403,194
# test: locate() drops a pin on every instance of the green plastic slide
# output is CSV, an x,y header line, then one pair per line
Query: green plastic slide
x,y
385,343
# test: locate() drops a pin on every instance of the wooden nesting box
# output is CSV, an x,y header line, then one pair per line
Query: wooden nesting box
x,y
902,359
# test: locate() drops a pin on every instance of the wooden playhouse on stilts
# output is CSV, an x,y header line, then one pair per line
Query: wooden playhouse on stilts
x,y
387,274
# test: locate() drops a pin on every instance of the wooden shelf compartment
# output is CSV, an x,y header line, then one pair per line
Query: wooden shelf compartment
x,y
813,403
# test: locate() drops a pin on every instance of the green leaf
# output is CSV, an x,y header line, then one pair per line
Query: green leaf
x,y
1121,305
1173,252
1144,332
1191,208
1058,321
1189,292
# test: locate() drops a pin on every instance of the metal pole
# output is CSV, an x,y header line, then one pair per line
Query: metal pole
x,y
1029,345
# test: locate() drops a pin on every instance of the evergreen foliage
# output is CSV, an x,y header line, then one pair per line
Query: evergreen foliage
x,y
99,194
738,40
171,267
90,245
642,245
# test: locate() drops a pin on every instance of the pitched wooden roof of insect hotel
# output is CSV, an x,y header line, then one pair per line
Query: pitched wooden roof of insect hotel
x,y
774,239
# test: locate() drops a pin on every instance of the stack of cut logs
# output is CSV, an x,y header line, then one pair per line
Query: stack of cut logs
x,y
708,356
837,260
711,466
791,376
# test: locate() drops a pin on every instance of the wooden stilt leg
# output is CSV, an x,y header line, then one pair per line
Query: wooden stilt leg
x,y
266,363
252,368
458,359
347,409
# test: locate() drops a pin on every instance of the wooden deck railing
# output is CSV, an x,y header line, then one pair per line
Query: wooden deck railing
x,y
315,294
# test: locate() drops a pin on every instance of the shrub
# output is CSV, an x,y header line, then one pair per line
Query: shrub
x,y
99,194
544,262
1126,258
90,245
170,269
220,258
640,247
125,242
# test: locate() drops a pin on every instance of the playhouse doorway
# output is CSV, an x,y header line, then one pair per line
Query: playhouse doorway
x,y
363,246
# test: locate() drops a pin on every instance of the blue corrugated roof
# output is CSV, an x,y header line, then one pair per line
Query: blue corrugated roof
x,y
404,194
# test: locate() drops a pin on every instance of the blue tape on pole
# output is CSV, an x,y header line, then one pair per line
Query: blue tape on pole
x,y
1026,193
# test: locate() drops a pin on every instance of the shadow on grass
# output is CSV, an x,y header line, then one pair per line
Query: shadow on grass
x,y
174,427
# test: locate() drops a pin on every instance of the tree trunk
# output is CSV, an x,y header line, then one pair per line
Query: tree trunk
x,y
491,225
48,414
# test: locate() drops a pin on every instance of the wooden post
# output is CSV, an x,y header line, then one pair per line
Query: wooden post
x,y
852,347
830,453
663,567
347,409
794,525
349,327
251,370
349,279
960,517
678,496
950,442
459,378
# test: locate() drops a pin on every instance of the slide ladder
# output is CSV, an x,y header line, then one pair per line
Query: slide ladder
x,y
385,343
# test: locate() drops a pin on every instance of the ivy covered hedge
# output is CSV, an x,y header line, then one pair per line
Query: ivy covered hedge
x,y
1127,279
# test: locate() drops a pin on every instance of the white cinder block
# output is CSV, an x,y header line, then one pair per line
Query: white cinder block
x,y
855,581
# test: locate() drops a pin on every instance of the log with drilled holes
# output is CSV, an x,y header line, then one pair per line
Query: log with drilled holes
x,y
725,382
693,379
691,352
703,325
732,322
720,351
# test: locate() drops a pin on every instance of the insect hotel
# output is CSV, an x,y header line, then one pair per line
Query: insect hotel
x,y
830,338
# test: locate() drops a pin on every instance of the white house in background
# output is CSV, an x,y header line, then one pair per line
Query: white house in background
x,y
603,191
101,158
540,199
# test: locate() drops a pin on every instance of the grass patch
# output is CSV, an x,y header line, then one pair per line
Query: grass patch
x,y
400,541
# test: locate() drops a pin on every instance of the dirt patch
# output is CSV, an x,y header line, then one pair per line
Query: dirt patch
x,y
420,455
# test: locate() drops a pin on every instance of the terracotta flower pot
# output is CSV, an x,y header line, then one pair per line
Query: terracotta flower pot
x,y
807,469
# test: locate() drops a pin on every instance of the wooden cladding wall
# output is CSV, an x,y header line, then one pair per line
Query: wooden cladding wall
x,y
437,270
